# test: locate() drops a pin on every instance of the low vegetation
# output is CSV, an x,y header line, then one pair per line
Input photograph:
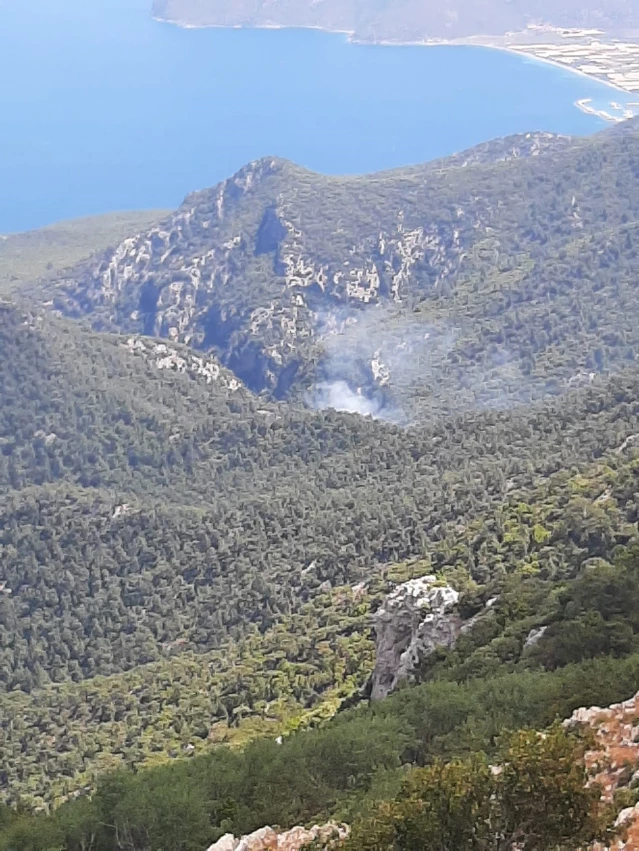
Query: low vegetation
x,y
26,257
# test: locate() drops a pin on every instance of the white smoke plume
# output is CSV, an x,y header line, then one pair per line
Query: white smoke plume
x,y
373,358
339,396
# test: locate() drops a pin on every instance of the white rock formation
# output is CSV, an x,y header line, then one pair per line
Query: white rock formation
x,y
227,843
165,356
534,637
415,619
266,839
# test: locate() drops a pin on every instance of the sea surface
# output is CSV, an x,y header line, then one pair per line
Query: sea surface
x,y
102,108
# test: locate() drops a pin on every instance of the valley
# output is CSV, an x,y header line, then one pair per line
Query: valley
x,y
318,507
377,298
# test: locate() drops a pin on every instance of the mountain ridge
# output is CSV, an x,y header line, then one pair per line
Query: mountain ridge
x,y
188,562
375,293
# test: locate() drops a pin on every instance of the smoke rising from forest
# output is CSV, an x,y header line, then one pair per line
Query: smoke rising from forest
x,y
373,359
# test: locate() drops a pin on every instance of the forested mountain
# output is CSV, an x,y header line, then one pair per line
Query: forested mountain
x,y
498,276
186,562
154,512
402,20
107,441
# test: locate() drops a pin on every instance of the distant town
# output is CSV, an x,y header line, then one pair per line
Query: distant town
x,y
591,52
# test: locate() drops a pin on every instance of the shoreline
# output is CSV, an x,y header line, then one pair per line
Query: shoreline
x,y
523,52
181,25
485,42
583,104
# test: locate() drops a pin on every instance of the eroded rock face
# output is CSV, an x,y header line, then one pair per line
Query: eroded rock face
x,y
205,368
270,265
613,760
534,637
328,836
415,619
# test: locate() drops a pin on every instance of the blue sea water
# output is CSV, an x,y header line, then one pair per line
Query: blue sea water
x,y
102,108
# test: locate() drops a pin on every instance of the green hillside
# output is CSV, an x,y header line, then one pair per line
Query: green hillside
x,y
156,525
26,257
191,551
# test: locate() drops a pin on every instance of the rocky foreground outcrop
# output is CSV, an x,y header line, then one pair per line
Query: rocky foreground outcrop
x,y
613,762
326,836
415,619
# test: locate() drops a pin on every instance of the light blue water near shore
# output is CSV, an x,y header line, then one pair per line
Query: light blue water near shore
x,y
102,108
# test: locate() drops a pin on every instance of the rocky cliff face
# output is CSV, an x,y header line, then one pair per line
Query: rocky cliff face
x,y
270,266
415,619
613,762
242,270
466,283
183,360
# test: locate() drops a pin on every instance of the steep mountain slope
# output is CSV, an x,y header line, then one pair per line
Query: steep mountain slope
x,y
25,257
158,522
183,562
482,280
104,411
401,20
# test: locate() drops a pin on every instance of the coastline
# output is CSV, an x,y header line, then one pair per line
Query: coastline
x,y
583,104
485,42
181,25
521,51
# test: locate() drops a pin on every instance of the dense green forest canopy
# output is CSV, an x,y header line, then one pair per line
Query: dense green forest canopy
x,y
182,561
188,568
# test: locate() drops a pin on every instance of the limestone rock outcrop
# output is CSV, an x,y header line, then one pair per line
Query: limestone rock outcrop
x,y
612,761
328,836
181,359
291,296
415,619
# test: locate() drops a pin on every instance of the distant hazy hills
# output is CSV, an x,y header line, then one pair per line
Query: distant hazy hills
x,y
403,20
498,276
